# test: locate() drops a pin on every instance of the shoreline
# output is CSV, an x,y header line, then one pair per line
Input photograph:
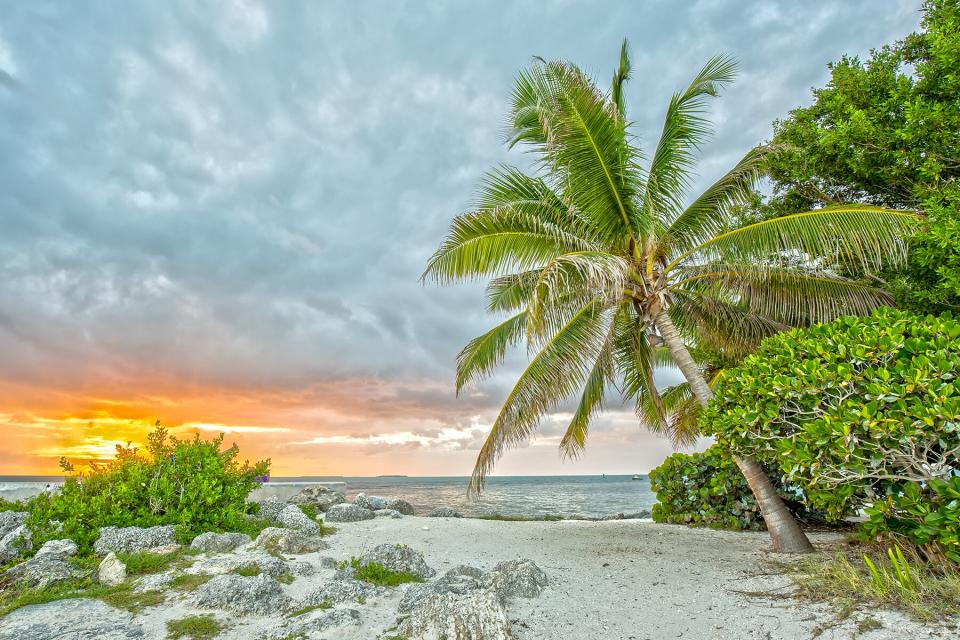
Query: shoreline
x,y
616,580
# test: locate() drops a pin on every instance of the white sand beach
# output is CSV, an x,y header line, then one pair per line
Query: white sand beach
x,y
615,580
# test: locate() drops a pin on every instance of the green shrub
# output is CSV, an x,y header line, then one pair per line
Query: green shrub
x,y
190,483
708,490
928,516
859,411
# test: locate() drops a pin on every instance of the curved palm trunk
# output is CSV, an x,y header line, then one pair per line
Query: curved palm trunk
x,y
785,532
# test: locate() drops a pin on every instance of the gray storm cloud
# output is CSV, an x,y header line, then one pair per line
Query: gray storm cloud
x,y
244,194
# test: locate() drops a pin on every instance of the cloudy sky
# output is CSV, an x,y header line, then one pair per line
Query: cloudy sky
x,y
216,213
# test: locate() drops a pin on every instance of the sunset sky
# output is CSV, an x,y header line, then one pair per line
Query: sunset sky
x,y
216,214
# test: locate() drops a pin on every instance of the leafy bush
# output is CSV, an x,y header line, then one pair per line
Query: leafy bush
x,y
378,574
857,411
190,483
707,489
928,516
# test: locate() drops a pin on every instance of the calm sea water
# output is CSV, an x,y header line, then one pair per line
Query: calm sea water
x,y
571,496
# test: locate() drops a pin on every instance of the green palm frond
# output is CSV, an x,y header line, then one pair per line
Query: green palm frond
x,y
721,325
709,214
685,128
485,352
555,373
589,272
512,291
857,235
620,77
591,400
587,147
791,296
635,360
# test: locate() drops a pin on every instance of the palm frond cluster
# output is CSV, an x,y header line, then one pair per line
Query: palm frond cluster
x,y
595,249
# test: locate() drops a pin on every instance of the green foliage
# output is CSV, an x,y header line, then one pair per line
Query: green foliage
x,y
860,411
586,253
926,515
16,505
326,604
193,627
849,409
248,570
884,131
144,562
890,578
194,484
376,573
189,581
706,490
122,596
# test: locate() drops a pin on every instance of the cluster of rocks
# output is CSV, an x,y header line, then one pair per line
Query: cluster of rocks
x,y
366,507
14,537
468,604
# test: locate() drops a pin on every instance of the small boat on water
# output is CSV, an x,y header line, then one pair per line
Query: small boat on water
x,y
636,477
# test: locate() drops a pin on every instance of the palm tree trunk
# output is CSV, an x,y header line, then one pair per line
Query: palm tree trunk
x,y
784,531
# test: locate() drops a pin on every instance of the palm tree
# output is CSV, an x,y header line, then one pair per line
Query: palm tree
x,y
603,262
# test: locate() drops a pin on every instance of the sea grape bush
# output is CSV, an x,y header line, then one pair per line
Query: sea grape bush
x,y
929,517
856,412
708,490
192,483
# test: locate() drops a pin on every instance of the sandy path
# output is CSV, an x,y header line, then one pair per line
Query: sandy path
x,y
627,580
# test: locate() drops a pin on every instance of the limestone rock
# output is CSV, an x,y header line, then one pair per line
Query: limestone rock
x,y
111,571
270,508
288,541
77,619
14,544
132,539
292,517
41,571
211,542
268,564
387,513
459,580
477,615
347,513
59,548
321,498
399,557
338,591
10,520
244,595
309,624
445,512
370,502
153,582
398,504
517,578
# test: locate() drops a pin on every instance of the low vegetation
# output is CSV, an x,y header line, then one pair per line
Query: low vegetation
x,y
194,484
378,574
193,627
326,604
887,577
122,596
144,562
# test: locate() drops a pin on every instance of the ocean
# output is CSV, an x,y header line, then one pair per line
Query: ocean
x,y
531,496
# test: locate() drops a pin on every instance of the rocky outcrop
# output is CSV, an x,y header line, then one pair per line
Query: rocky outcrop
x,y
15,538
309,624
636,515
268,564
476,615
292,517
347,513
153,582
243,595
321,498
79,619
459,580
400,558
517,579
445,512
370,502
342,589
60,548
49,566
288,541
270,508
387,513
211,542
111,571
398,504
133,539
